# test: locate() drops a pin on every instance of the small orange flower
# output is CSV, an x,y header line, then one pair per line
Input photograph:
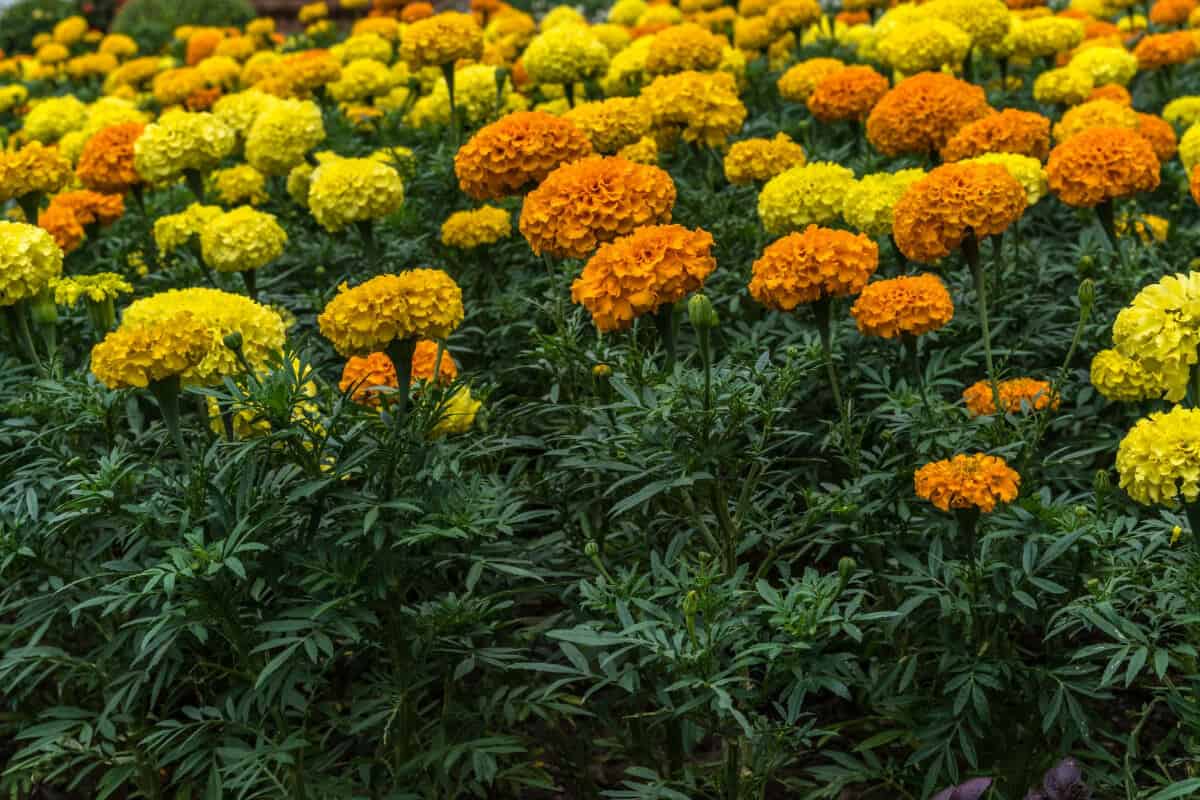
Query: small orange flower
x,y
977,481
1160,134
1194,183
1011,131
1169,13
921,113
69,213
1102,164
908,305
62,224
1114,92
364,375
1165,49
847,94
106,163
934,215
815,263
1015,395
202,44
517,151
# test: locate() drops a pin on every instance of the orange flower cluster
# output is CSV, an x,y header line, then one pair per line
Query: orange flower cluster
x,y
653,267
847,94
1194,183
935,214
801,80
910,305
519,150
1114,92
1094,114
815,263
1015,395
1169,13
589,202
975,481
363,375
921,113
1011,131
1165,49
68,215
1160,134
1102,164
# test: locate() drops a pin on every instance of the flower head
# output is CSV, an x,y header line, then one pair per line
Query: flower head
x,y
1160,329
50,119
1016,395
1102,164
179,142
95,288
34,169
364,376
869,203
240,184
347,190
107,161
1010,131
803,196
924,44
801,80
29,260
976,481
920,114
848,94
457,414
481,226
1027,170
518,150
416,304
684,47
1160,134
441,39
908,305
282,134
1165,49
808,266
1094,114
242,239
1106,64
1158,459
138,355
174,231
705,105
757,160
613,123
1123,379
1064,86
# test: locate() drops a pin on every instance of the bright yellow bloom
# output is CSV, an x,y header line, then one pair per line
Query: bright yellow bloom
x,y
282,134
1159,459
869,203
348,190
481,226
802,196
180,142
138,355
242,239
29,261
416,304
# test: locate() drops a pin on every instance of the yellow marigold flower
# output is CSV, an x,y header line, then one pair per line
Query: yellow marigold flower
x,y
1182,111
1157,458
1102,164
1124,379
758,160
643,151
921,113
987,22
33,169
91,65
684,47
869,202
1016,395
925,44
180,142
386,27
1065,86
754,33
1189,148
221,313
52,53
1106,64
565,54
133,73
1161,327
704,104
612,124
311,12
441,39
49,120
792,15
12,96
626,12
304,71
1027,170
654,267
475,98
109,111
808,266
238,48
1094,114
221,71
457,414
29,261
936,213
239,185
516,151
968,482
417,304
581,205
240,110
174,86
1148,227
658,16
1044,36
364,46
615,37
803,196
905,306
469,229
96,288
138,355
361,79
801,80
282,134
174,231
626,70
241,239
1010,131
70,30
119,45
350,190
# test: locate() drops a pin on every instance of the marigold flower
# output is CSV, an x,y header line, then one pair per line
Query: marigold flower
x,y
66,229
441,39
34,169
475,98
987,22
704,104
238,185
654,267
364,376
1065,86
1168,13
516,151
924,44
481,226
241,239
626,12
69,213
119,45
12,96
581,205
180,142
1106,64
869,203
50,119
174,231
29,261
967,482
1160,328
282,134
1044,36
96,288
174,86
1027,170
1160,134
457,414
1094,114
808,266
848,94
684,47
1182,111
1147,227
1157,458
643,151
360,80
107,161
138,355
416,304
348,190
1123,379
905,306
937,212
801,80
1010,131
1165,49
920,114
757,160
802,196
613,123
1016,394
1102,164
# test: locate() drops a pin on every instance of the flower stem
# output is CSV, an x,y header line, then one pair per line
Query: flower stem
x,y
970,249
824,311
195,183
455,125
19,326
166,394
401,352
250,276
1108,222
666,332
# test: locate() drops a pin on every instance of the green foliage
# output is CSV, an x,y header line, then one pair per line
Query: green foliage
x,y
23,20
152,22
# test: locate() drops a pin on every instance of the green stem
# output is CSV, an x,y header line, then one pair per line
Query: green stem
x,y
666,332
30,203
250,277
455,124
401,352
19,325
366,229
824,312
970,249
569,91
166,394
705,335
1192,510
912,351
1108,222
195,183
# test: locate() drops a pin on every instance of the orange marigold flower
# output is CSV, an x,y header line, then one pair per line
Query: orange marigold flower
x,y
1015,395
1011,131
1094,114
202,99
847,94
364,375
815,263
921,113
514,152
1102,164
801,80
91,207
653,267
1114,92
1194,183
935,214
1160,134
910,305
1165,49
970,482
587,203
1169,13
106,163
202,44
415,11
852,18
61,223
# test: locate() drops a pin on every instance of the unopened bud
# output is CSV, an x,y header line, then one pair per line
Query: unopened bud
x,y
1087,294
691,603
601,371
846,567
233,340
1101,483
591,549
701,313
43,310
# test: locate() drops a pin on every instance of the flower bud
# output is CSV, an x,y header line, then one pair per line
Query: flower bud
x,y
1086,263
591,549
1176,533
233,340
43,310
701,313
601,371
846,567
1101,483
1087,294
691,603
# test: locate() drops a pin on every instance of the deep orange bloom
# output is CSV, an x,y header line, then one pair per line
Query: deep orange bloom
x,y
815,263
935,214
1101,164
517,151
1114,92
106,164
415,11
62,224
847,94
202,44
1011,131
975,481
921,113
1160,134
1165,49
365,374
911,305
1169,13
1015,395
68,215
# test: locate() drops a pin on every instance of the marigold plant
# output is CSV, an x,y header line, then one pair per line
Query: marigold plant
x,y
909,306
515,152
139,355
802,196
415,304
1016,394
757,160
1157,458
920,114
967,482
1010,131
813,264
350,190
1102,164
847,94
467,230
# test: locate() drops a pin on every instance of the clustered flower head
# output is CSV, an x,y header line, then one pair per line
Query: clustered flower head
x,y
704,105
940,210
441,39
516,151
801,80
1126,380
967,482
613,123
1106,64
1165,49
29,261
582,205
813,264
1026,170
758,160
1094,114
97,288
911,305
415,304
282,134
348,190
870,202
1101,164
684,47
240,184
50,119
1157,458
803,196
107,161
242,239
480,226
653,267
1160,329
1065,86
136,355
848,94
565,54
1183,111
1016,394
1010,131
34,169
69,214
920,114
180,142
924,44
174,231
1044,36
